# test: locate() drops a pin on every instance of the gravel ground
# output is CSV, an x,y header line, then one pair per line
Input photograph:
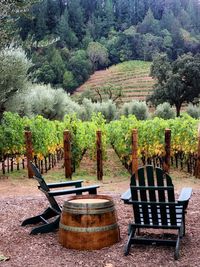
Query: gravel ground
x,y
44,250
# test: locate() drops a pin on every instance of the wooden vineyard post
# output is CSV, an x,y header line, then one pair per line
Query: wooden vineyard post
x,y
67,154
197,171
29,152
166,164
134,150
99,156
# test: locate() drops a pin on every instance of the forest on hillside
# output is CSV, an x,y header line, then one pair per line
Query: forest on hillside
x,y
50,47
68,40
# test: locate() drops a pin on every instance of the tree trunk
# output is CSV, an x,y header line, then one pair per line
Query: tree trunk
x,y
178,109
2,110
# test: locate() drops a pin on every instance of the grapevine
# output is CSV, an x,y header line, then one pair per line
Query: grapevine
x,y
47,136
184,137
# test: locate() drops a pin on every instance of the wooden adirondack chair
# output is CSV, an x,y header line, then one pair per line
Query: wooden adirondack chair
x,y
151,194
54,210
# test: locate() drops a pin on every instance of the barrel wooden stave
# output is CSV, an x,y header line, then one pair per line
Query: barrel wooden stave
x,y
88,231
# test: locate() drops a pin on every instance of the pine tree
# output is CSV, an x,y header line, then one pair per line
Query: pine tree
x,y
76,19
65,32
149,24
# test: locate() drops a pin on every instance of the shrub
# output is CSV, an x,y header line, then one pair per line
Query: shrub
x,y
137,108
125,109
43,100
164,111
193,111
108,109
87,108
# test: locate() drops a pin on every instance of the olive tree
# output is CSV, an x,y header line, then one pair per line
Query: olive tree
x,y
10,10
14,66
42,99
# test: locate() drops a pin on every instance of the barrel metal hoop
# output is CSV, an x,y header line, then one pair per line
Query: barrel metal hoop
x,y
69,204
88,211
88,229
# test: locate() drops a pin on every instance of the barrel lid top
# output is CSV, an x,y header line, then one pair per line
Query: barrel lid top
x,y
89,200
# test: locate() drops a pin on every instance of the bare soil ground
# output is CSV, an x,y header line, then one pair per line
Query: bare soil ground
x,y
21,199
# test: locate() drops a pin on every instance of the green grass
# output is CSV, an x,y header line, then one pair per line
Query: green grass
x,y
111,178
133,65
57,174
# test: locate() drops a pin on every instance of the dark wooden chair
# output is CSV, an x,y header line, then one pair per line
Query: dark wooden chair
x,y
51,216
151,194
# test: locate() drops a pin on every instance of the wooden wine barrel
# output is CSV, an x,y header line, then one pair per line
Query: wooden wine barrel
x,y
88,222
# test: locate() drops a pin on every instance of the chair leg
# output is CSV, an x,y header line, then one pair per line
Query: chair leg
x,y
131,233
47,214
176,253
46,228
183,226
182,230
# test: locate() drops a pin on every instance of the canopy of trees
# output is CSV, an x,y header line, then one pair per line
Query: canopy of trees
x,y
59,33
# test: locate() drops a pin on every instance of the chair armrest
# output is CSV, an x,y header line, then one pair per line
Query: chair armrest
x,y
78,191
126,196
185,196
77,183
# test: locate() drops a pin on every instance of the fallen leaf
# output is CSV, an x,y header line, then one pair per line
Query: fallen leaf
x,y
4,258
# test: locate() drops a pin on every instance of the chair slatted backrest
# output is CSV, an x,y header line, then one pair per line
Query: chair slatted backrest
x,y
39,178
153,198
44,187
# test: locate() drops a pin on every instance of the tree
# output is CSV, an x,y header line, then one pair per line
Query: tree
x,y
58,66
104,18
177,82
98,55
109,14
48,66
152,46
185,19
10,10
149,24
53,14
76,19
40,27
80,66
193,10
69,82
13,74
109,92
65,32
45,74
168,20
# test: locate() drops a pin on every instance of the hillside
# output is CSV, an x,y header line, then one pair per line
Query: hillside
x,y
68,39
131,76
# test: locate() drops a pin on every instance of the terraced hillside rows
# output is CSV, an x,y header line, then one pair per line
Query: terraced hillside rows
x,y
131,76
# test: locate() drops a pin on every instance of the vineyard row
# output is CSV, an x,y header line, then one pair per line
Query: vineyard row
x,y
47,138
